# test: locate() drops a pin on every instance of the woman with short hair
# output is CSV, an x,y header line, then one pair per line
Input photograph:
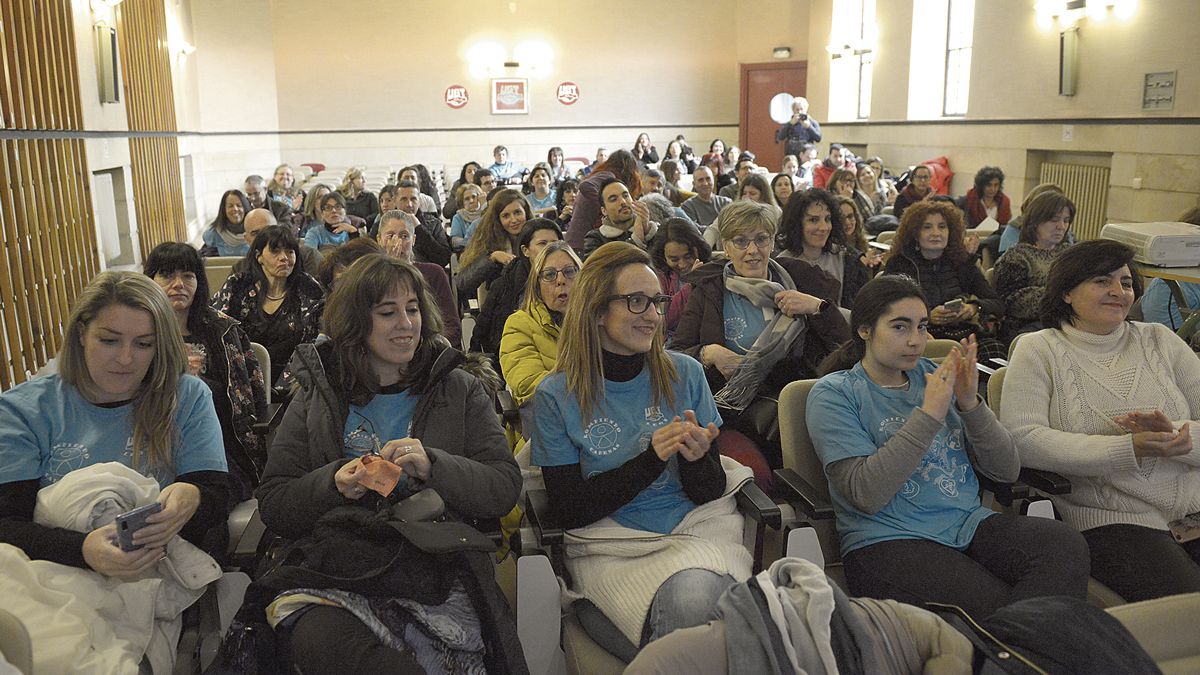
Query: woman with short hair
x,y
813,230
336,226
283,188
278,305
386,388
467,218
1112,405
466,176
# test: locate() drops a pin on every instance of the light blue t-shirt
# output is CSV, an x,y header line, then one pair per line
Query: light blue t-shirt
x,y
386,418
849,415
212,238
47,430
1009,238
744,322
1159,306
619,430
459,227
538,204
319,235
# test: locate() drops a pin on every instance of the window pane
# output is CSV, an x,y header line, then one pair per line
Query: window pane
x,y
961,23
958,75
865,72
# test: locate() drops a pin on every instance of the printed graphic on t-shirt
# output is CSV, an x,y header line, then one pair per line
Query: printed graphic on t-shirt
x,y
735,328
941,466
603,436
65,458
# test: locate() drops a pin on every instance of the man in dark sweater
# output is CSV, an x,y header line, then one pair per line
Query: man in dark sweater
x,y
255,187
432,244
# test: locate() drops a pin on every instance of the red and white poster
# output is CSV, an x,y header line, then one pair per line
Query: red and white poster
x,y
510,96
457,96
568,93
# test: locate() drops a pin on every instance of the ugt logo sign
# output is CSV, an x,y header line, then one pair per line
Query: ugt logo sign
x,y
568,93
456,96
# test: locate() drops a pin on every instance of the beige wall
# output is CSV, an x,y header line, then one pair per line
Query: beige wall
x,y
762,26
1014,77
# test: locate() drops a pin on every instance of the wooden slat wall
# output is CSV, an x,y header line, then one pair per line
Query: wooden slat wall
x,y
150,106
48,251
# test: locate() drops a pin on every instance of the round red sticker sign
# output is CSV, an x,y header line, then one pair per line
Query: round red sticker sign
x,y
456,96
568,93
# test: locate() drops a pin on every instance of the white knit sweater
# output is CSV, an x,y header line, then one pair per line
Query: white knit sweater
x,y
1060,394
620,569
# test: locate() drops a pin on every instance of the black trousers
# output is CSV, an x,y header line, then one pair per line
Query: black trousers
x,y
331,640
1140,563
1011,558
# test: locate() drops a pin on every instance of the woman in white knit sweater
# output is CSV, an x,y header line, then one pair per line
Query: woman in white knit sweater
x,y
1109,403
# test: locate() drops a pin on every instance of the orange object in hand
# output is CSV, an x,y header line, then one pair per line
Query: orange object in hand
x,y
379,475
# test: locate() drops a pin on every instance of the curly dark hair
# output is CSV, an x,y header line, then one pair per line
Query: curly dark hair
x,y
914,218
679,231
791,224
986,175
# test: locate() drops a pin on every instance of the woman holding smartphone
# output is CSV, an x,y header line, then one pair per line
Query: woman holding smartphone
x,y
121,394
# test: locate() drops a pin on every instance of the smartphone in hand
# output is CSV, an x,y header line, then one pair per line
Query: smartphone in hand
x,y
954,305
131,521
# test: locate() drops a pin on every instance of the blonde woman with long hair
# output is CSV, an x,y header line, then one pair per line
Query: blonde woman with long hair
x,y
360,201
121,395
625,433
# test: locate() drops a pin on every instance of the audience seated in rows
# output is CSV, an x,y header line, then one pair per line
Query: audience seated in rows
x,y
813,230
629,449
929,247
1108,403
277,303
507,292
901,439
1022,271
386,385
218,352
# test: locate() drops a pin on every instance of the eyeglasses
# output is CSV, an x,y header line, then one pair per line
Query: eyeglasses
x,y
761,242
638,303
333,207
549,275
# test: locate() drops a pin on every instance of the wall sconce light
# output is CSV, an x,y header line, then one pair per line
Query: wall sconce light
x,y
1070,12
782,52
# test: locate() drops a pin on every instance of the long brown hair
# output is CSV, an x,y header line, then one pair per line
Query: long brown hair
x,y
579,350
489,234
910,228
154,403
347,320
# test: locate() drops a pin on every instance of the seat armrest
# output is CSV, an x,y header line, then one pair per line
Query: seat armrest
x,y
274,417
1046,481
755,503
795,488
509,411
541,518
1005,493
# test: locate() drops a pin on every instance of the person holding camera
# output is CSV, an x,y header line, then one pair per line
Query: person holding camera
x,y
799,130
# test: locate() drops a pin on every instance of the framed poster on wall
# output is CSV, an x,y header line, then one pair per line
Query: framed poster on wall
x,y
510,96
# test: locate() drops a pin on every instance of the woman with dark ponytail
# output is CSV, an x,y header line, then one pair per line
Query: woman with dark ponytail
x,y
901,439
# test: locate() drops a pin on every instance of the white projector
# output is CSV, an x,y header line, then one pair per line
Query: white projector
x,y
1159,244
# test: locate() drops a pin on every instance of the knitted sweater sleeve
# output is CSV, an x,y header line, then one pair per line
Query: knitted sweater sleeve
x,y
1186,375
1032,381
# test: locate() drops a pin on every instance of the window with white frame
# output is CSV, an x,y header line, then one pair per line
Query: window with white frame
x,y
940,58
959,27
852,56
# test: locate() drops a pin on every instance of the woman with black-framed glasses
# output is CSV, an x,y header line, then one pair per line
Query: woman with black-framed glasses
x,y
757,323
529,347
625,433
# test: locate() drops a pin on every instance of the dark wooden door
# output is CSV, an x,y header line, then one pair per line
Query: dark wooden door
x,y
760,83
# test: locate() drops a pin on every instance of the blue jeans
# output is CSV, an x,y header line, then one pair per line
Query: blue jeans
x,y
687,598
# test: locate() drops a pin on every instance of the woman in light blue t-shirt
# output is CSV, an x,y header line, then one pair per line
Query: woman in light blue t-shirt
x,y
901,439
121,395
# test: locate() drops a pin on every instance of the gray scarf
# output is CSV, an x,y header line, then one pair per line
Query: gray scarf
x,y
775,341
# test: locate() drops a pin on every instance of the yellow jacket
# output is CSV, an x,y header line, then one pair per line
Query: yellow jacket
x,y
528,350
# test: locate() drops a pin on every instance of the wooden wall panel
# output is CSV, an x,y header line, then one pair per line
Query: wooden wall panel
x,y
48,249
150,106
